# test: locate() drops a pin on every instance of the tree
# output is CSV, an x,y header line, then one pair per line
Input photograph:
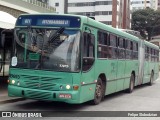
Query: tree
x,y
146,21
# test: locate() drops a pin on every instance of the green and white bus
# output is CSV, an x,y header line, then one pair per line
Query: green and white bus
x,y
74,59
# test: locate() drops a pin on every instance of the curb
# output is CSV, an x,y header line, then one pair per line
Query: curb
x,y
11,100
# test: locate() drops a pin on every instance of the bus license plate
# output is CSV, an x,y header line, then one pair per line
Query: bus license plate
x,y
65,96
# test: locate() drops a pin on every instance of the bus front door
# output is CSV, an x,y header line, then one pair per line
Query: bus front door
x,y
88,68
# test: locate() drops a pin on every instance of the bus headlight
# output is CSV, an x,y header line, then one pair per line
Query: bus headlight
x,y
13,81
68,86
8,81
18,83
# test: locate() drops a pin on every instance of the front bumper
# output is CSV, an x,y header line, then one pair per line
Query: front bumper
x,y
15,91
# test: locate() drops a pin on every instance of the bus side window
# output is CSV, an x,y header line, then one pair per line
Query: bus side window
x,y
103,49
154,55
147,53
127,49
131,45
135,50
157,55
113,46
150,54
121,48
88,50
131,50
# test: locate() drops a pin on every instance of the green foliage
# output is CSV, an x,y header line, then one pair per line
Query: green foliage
x,y
147,22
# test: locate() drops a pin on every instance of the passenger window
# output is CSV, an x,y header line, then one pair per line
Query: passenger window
x,y
121,49
131,45
102,38
121,44
150,54
128,50
146,53
103,48
135,51
113,46
113,40
128,45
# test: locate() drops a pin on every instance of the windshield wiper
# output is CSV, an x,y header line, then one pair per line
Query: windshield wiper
x,y
56,35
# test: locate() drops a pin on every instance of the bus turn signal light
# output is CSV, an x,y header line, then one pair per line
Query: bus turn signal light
x,y
8,81
75,87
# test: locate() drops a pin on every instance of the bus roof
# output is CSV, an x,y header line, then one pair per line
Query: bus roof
x,y
99,25
108,28
151,45
92,23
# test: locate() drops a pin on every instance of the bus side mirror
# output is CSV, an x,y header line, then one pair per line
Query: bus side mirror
x,y
2,40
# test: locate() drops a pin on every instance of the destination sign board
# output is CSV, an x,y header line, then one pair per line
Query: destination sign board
x,y
49,21
44,22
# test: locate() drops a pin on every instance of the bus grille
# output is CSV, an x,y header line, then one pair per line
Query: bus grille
x,y
39,85
37,94
42,83
45,79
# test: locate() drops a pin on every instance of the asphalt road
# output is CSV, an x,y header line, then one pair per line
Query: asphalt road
x,y
143,98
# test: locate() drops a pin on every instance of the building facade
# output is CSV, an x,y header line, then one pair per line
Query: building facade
x,y
60,5
111,12
44,1
142,4
154,4
25,6
158,2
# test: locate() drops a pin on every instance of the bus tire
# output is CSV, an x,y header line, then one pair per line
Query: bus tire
x,y
98,95
151,79
103,89
131,85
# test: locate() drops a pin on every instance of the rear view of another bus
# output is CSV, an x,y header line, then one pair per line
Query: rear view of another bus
x,y
7,23
5,51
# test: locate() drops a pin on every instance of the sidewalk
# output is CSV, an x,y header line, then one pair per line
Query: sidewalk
x,y
4,98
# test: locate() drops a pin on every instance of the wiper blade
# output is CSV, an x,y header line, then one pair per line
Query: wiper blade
x,y
56,35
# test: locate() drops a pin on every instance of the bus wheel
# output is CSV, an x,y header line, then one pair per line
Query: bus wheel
x,y
151,78
131,85
98,92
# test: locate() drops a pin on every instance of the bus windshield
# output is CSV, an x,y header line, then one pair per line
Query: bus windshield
x,y
47,49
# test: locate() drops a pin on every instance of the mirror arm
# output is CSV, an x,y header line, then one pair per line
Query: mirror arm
x,y
86,28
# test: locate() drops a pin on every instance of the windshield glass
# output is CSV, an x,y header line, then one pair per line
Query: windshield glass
x,y
47,49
